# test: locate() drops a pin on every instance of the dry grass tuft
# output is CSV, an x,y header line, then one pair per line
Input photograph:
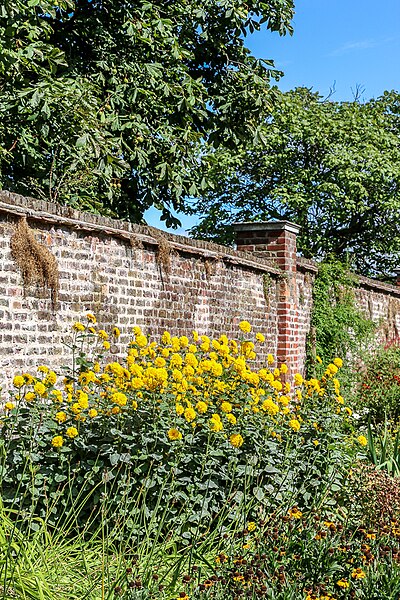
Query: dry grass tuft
x,y
38,265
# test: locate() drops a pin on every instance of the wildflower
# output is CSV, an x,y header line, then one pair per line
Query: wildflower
x,y
103,335
215,423
119,398
358,573
18,381
294,424
106,345
236,440
245,326
331,369
295,513
116,332
91,318
83,399
226,407
61,417
269,406
298,379
231,418
270,359
174,434
201,407
30,396
348,410
362,440
190,414
284,369
39,388
318,359
338,362
134,404
115,410
9,405
71,432
57,441
260,338
166,338
343,583
251,526
92,413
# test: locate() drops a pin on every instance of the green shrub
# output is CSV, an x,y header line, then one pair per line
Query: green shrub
x,y
379,387
186,425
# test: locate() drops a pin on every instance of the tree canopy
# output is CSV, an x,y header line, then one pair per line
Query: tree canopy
x,y
118,106
331,167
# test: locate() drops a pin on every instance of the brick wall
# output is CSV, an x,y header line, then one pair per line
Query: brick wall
x,y
133,275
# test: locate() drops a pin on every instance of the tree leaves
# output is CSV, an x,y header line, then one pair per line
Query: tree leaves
x,y
333,168
97,95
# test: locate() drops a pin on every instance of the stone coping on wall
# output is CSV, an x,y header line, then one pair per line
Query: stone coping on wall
x,y
55,214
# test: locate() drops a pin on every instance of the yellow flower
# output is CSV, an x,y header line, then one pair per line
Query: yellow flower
x,y
358,574
245,326
236,440
251,526
71,432
295,513
57,441
338,362
216,423
103,335
18,381
106,345
179,409
39,388
134,404
61,417
294,424
9,405
343,583
284,369
119,398
51,378
319,359
226,407
260,338
270,359
141,341
115,410
91,318
269,406
362,440
348,410
190,414
340,399
83,399
201,407
231,418
298,379
92,413
30,396
78,326
174,434
116,332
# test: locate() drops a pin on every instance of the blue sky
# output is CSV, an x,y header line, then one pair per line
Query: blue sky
x,y
337,44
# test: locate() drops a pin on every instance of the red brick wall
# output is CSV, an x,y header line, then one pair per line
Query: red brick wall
x,y
113,269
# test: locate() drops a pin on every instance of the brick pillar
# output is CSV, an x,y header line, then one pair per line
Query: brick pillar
x,y
277,240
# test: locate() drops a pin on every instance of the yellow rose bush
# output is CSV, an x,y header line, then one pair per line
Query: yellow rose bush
x,y
192,421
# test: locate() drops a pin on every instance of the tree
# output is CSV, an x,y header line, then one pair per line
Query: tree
x,y
331,167
116,106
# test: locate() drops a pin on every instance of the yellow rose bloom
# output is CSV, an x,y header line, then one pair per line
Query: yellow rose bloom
x,y
245,326
71,432
236,440
174,434
57,441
